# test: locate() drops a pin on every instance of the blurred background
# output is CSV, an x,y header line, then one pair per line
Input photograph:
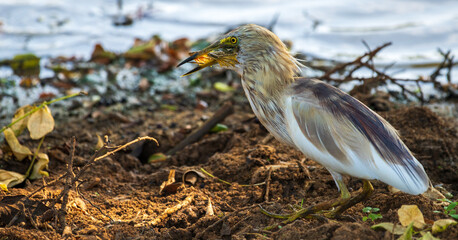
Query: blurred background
x,y
323,30
327,28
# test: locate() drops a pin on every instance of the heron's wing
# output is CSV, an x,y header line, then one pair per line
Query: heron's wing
x,y
337,123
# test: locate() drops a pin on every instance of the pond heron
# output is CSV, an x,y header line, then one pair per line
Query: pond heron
x,y
326,124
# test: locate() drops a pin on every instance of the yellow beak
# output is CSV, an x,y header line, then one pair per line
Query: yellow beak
x,y
201,58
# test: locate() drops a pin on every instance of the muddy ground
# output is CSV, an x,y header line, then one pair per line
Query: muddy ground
x,y
125,187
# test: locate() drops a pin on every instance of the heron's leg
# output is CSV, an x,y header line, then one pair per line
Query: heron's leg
x,y
345,204
344,193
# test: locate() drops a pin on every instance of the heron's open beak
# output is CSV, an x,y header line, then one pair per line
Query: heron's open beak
x,y
216,53
202,58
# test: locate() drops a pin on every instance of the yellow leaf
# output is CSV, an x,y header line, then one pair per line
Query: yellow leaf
x,y
223,87
40,123
442,224
410,213
100,143
39,166
22,124
19,151
9,179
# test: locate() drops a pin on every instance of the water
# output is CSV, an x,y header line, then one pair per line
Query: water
x,y
326,28
330,29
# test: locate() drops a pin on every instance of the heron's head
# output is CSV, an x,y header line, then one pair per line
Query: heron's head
x,y
247,49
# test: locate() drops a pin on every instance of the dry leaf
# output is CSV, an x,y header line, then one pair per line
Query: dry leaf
x,y
169,186
192,176
39,166
393,189
390,227
9,179
410,213
100,143
210,211
442,224
22,124
40,123
433,194
19,151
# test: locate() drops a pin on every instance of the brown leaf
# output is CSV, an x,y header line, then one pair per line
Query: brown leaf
x,y
40,123
192,176
169,186
19,151
9,179
410,213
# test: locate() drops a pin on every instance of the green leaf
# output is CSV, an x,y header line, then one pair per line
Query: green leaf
x,y
374,216
407,235
367,209
451,206
390,227
157,157
223,87
375,209
364,218
219,128
455,216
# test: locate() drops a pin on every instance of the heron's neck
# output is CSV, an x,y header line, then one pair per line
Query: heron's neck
x,y
270,74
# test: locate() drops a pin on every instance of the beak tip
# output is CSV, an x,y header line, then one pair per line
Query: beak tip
x,y
187,59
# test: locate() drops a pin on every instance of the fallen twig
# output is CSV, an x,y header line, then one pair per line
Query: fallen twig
x,y
226,110
266,195
228,183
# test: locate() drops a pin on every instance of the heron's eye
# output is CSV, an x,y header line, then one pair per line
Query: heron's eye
x,y
233,40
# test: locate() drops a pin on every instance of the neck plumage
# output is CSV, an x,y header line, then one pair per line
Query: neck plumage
x,y
270,72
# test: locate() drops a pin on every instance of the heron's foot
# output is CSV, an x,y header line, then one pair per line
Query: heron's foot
x,y
309,212
329,209
345,203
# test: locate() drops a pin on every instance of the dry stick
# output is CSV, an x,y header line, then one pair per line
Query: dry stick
x,y
266,196
72,178
46,185
94,159
124,146
68,186
226,110
357,60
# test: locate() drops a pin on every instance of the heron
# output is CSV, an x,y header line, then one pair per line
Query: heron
x,y
326,124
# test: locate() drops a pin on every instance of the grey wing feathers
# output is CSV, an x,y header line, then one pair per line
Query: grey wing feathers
x,y
320,109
